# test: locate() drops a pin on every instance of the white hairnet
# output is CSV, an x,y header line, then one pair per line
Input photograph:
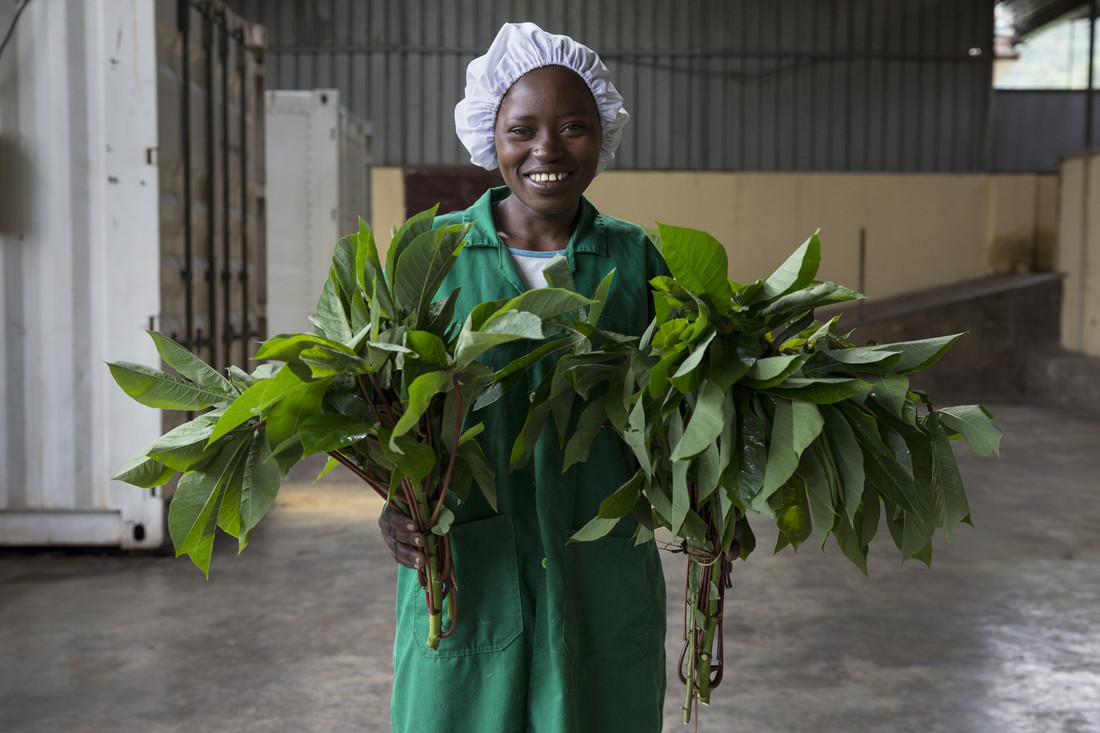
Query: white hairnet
x,y
518,49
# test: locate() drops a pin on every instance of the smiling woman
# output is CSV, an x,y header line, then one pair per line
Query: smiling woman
x,y
559,637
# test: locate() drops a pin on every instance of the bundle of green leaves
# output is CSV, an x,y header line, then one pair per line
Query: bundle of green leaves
x,y
737,401
384,385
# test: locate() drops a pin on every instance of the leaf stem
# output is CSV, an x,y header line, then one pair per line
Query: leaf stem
x,y
366,395
350,465
454,452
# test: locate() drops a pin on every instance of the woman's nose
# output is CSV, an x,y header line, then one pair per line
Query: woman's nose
x,y
547,146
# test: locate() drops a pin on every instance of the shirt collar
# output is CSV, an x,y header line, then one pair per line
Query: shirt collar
x,y
588,236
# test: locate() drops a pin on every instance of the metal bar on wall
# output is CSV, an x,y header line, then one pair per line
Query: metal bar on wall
x,y
1086,174
246,306
183,22
227,329
210,340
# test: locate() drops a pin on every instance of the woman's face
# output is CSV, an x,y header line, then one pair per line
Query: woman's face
x,y
548,139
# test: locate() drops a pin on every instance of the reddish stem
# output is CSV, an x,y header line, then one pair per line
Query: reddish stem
x,y
454,452
370,480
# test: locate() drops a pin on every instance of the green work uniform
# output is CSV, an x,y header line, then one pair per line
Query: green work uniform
x,y
550,637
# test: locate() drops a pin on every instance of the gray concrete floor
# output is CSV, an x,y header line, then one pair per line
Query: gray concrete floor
x,y
1001,636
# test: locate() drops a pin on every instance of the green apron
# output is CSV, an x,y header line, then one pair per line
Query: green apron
x,y
551,637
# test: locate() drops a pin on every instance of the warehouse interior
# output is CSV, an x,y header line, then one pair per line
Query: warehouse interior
x,y
187,165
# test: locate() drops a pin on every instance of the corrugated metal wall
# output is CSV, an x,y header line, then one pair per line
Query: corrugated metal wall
x,y
1036,128
763,85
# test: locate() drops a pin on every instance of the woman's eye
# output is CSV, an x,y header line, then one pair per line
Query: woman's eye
x,y
519,132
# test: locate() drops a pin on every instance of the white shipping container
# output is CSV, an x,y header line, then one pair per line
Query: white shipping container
x,y
318,173
83,266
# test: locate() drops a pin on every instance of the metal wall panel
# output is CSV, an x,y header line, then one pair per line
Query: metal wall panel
x,y
1059,115
766,85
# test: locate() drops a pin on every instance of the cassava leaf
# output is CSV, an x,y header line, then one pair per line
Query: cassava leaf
x,y
796,425
697,261
975,424
163,391
189,365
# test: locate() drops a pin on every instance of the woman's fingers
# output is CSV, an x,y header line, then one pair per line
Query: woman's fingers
x,y
404,542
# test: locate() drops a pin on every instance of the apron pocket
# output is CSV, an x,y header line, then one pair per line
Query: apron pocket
x,y
609,601
490,616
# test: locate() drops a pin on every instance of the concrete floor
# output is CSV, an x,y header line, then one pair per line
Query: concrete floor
x,y
1001,636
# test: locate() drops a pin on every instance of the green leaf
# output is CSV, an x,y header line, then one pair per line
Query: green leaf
x,y
698,262
710,414
589,424
792,517
822,488
820,390
947,479
797,271
864,357
771,370
541,302
182,447
421,392
681,493
797,424
373,279
849,544
512,326
422,267
259,485
331,318
329,432
415,459
260,396
890,389
473,457
144,472
597,528
404,237
848,458
160,390
920,354
599,299
621,503
189,365
428,347
806,299
975,424
289,347
193,513
285,418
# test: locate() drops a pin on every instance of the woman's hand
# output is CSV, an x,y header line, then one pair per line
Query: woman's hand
x,y
405,543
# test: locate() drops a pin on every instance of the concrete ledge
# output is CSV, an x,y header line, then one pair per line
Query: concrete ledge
x,y
1008,322
1065,380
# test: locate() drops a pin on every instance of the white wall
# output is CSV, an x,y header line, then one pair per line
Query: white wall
x,y
1079,253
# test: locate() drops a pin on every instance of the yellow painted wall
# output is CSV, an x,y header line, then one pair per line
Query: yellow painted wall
x,y
387,203
921,230
1079,253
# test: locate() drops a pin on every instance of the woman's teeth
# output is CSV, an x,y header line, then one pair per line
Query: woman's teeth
x,y
547,177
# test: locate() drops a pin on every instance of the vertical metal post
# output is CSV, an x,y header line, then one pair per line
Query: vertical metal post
x,y
227,254
1086,168
183,22
242,74
211,194
862,269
